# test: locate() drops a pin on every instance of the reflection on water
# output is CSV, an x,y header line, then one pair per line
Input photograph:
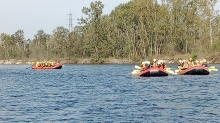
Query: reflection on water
x,y
105,93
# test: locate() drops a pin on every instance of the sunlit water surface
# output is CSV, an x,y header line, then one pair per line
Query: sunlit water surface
x,y
105,93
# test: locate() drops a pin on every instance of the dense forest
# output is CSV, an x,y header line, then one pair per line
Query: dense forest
x,y
135,30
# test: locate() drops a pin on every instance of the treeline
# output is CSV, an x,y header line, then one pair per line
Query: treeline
x,y
134,30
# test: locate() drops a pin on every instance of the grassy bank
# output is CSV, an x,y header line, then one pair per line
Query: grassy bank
x,y
213,58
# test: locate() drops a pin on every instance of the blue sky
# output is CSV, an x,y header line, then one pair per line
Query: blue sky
x,y
33,15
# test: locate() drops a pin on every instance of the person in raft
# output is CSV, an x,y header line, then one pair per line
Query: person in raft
x,y
154,63
163,65
180,64
185,64
204,63
33,63
145,65
159,64
190,63
197,63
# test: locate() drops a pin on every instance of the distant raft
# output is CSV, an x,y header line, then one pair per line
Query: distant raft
x,y
195,70
55,66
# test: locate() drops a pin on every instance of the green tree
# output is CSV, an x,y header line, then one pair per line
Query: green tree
x,y
60,36
91,32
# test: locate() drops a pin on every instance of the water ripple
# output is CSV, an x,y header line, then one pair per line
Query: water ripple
x,y
105,93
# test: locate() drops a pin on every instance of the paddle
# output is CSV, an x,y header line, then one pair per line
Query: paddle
x,y
213,68
135,72
171,72
137,67
176,71
168,68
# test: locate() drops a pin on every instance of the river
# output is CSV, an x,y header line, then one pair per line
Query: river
x,y
105,93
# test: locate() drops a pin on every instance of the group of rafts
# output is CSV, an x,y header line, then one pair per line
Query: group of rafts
x,y
46,65
185,67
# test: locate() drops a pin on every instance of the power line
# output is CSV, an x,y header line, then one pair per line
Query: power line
x,y
70,22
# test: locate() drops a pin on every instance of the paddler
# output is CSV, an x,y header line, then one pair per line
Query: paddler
x,y
143,65
190,63
32,62
163,65
197,63
159,65
37,64
180,64
154,63
204,63
185,65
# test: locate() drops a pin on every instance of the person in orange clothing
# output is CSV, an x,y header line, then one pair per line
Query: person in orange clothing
x,y
154,63
185,64
159,64
204,63
180,64
197,63
163,65
145,65
190,63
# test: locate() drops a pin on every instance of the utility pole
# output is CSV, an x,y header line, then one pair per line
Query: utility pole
x,y
70,22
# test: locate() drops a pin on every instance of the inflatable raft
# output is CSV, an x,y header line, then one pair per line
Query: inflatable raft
x,y
153,72
56,66
195,70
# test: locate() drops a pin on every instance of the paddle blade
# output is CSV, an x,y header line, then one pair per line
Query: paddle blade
x,y
213,70
168,68
177,71
135,72
137,67
171,72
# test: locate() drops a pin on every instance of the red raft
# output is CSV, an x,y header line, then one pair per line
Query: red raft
x,y
153,72
56,66
195,70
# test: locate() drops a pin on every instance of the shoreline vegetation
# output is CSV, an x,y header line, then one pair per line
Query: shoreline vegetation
x,y
110,60
81,61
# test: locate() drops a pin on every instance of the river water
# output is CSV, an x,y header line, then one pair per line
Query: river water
x,y
105,93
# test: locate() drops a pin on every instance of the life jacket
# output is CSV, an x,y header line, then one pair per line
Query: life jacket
x,y
185,65
163,66
197,64
154,64
205,65
159,66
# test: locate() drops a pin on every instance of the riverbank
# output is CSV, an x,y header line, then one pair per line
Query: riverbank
x,y
78,61
167,59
